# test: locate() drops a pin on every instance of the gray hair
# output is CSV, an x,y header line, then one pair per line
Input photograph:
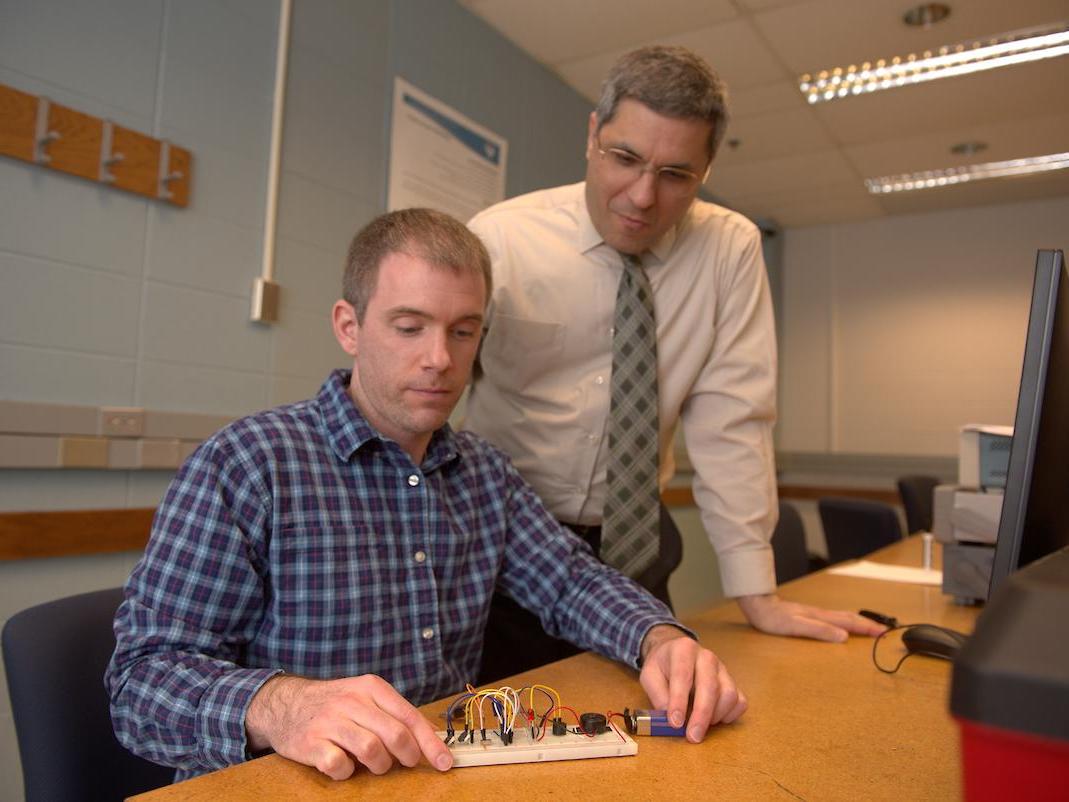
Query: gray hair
x,y
672,81
420,233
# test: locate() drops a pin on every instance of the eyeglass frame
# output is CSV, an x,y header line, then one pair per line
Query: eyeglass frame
x,y
644,166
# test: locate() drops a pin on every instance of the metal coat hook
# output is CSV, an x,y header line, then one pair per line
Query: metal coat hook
x,y
42,136
107,158
165,175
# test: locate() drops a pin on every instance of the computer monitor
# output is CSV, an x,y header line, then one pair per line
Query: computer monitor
x,y
1035,508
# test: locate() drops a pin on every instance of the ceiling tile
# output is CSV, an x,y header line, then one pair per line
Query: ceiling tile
x,y
836,33
732,49
564,30
1022,91
762,99
1013,139
770,136
978,193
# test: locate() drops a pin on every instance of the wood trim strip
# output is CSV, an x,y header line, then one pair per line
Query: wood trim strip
x,y
27,535
30,535
683,497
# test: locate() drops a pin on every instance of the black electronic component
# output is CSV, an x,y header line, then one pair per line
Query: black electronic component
x,y
559,727
593,723
888,621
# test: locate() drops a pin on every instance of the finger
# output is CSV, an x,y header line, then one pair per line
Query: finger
x,y
425,739
706,694
368,749
851,622
741,705
392,735
802,626
331,760
655,684
682,654
728,701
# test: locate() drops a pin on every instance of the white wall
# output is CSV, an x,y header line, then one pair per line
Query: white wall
x,y
899,330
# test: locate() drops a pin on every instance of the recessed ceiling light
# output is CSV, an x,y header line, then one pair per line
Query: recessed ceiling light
x,y
968,148
930,179
926,14
946,62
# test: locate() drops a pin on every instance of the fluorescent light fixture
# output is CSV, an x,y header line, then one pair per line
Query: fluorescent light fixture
x,y
930,179
1014,48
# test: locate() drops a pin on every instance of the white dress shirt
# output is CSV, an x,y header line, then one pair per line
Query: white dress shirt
x,y
541,392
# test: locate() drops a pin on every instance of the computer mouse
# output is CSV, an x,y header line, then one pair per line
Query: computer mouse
x,y
933,641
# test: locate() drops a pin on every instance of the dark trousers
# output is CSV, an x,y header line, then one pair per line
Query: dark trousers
x,y
515,640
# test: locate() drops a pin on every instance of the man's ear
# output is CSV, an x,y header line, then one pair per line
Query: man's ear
x,y
346,326
591,134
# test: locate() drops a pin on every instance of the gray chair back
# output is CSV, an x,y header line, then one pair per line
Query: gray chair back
x,y
788,545
916,494
856,527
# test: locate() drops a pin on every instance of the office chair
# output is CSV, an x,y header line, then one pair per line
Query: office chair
x,y
854,527
788,545
916,493
55,655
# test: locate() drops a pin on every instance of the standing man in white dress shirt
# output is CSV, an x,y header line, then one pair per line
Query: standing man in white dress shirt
x,y
542,392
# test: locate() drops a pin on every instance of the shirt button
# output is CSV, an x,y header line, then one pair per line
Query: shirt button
x,y
599,380
413,480
428,633
420,556
591,438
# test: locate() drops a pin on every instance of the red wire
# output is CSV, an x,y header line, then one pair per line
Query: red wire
x,y
609,716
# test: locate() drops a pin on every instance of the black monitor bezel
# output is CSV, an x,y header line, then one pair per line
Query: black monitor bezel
x,y
1042,320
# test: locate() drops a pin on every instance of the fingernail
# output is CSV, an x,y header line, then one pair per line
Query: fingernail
x,y
694,736
444,762
677,718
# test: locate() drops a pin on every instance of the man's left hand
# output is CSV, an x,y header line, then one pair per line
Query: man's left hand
x,y
675,666
773,615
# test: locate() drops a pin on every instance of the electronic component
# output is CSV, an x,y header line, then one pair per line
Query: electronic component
x,y
524,749
592,723
520,734
650,722
888,621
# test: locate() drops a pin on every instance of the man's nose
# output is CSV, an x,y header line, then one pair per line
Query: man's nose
x,y
643,190
438,356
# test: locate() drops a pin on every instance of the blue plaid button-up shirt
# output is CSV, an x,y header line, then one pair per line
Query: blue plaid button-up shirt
x,y
301,540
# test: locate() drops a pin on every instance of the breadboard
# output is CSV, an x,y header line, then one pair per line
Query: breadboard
x,y
524,749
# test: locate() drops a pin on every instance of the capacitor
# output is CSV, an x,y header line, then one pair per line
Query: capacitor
x,y
651,722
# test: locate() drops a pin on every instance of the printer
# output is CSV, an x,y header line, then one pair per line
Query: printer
x,y
965,516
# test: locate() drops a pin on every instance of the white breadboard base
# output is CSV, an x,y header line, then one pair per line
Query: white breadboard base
x,y
524,749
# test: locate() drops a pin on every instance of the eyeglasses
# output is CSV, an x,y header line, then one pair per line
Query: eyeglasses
x,y
630,167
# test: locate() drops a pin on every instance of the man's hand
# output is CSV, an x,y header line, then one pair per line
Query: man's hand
x,y
674,666
333,724
771,614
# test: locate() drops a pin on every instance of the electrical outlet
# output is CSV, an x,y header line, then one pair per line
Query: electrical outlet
x,y
122,421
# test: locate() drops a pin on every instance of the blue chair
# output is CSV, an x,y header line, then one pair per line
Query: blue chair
x,y
55,655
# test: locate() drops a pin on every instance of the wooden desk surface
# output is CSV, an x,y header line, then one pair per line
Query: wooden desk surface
x,y
823,723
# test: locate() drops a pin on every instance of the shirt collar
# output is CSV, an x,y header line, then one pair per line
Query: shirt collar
x,y
589,238
347,430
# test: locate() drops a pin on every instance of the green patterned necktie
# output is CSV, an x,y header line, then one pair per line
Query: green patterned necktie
x,y
630,528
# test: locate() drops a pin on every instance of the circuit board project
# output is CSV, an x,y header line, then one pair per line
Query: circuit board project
x,y
498,728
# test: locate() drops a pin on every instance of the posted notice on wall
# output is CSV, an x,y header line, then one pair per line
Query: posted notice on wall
x,y
441,159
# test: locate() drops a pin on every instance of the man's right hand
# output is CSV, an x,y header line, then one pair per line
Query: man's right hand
x,y
334,724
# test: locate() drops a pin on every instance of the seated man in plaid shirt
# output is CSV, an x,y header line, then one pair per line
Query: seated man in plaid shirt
x,y
316,570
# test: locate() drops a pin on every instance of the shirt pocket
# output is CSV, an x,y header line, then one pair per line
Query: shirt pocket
x,y
332,583
517,351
